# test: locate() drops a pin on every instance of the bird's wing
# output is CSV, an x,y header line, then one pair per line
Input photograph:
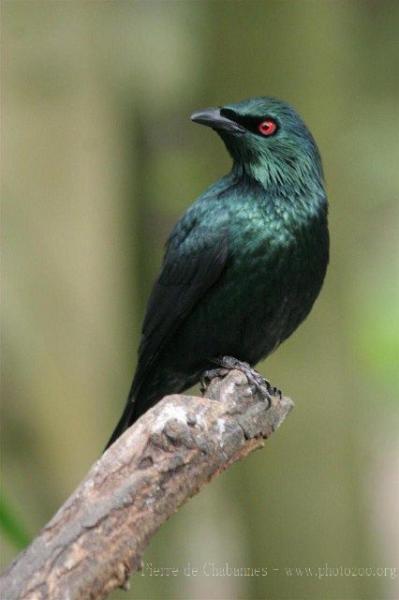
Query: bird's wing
x,y
192,264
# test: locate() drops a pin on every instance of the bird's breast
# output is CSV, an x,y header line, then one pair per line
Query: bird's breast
x,y
275,273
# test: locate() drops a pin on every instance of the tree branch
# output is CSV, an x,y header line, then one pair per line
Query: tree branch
x,y
97,538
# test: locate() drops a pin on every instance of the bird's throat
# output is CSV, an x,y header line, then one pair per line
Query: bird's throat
x,y
283,177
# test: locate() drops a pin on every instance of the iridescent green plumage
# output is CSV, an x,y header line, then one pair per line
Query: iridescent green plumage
x,y
244,264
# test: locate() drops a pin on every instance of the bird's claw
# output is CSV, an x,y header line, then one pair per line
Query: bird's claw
x,y
257,383
208,375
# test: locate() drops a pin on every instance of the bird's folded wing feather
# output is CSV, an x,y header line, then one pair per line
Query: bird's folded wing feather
x,y
191,266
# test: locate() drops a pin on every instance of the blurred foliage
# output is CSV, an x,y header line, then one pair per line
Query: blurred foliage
x,y
11,526
99,159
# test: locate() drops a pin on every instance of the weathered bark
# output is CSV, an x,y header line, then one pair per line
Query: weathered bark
x,y
97,538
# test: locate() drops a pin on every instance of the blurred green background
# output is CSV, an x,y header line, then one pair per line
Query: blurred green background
x,y
99,160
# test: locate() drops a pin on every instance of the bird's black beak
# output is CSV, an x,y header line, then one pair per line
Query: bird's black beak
x,y
212,117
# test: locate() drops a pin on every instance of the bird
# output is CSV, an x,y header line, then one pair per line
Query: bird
x,y
244,264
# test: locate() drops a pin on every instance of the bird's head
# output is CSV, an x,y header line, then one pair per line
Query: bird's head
x,y
267,139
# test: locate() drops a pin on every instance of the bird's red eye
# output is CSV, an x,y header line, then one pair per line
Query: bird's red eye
x,y
267,127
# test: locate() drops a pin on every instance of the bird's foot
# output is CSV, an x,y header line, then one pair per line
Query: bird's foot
x,y
208,375
256,381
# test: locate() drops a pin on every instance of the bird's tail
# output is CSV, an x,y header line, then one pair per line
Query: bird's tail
x,y
128,417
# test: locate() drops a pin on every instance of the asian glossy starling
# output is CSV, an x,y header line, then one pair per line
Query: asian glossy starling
x,y
246,261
